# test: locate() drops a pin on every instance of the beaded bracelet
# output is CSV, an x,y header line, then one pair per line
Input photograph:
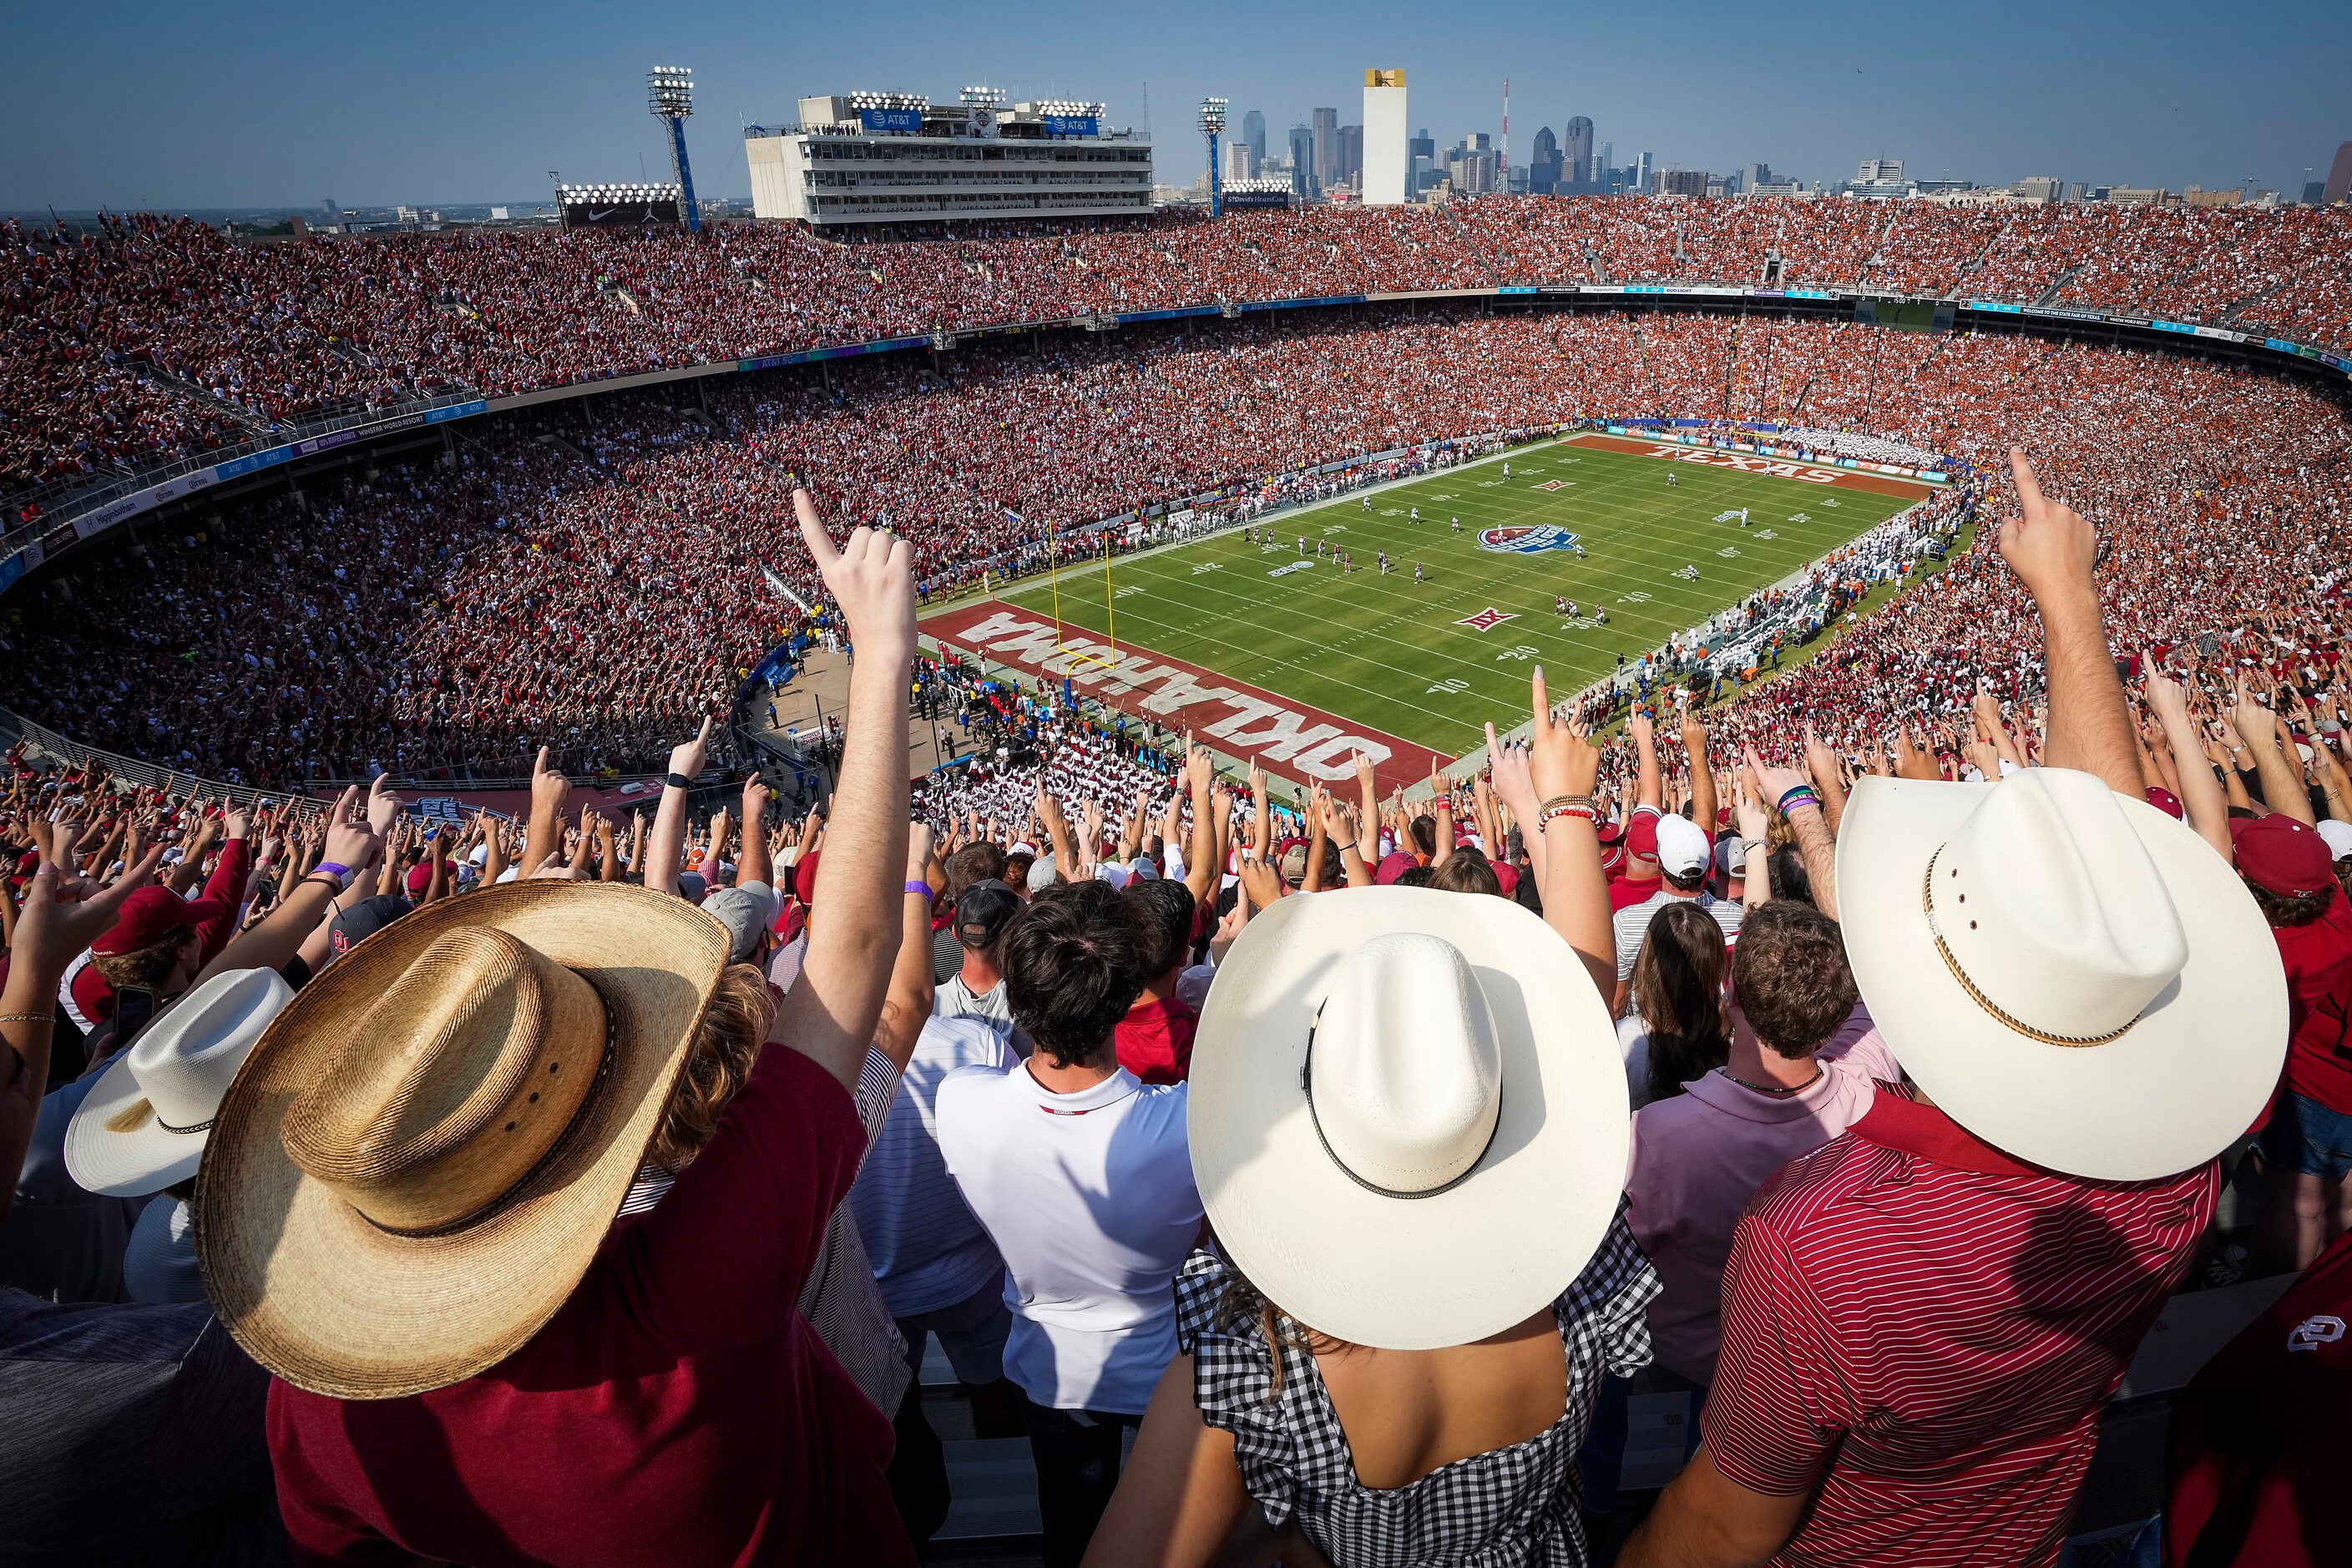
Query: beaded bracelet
x,y
1565,800
1559,809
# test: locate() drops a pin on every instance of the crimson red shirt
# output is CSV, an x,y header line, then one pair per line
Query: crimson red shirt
x,y
1921,1331
1154,1041
2318,959
675,1409
215,908
1625,892
2256,1461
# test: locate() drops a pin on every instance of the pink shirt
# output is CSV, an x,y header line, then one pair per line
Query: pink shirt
x,y
1699,1157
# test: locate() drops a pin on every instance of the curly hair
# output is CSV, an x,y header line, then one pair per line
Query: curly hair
x,y
734,1025
2284,912
144,967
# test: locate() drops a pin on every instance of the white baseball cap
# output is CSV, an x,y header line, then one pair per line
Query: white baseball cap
x,y
1682,845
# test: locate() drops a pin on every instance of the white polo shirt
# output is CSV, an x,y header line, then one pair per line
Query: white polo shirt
x,y
1091,1201
928,1249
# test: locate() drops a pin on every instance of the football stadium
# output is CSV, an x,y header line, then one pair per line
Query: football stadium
x,y
1596,863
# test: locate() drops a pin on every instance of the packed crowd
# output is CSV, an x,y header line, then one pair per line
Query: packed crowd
x,y
578,1190
593,579
147,337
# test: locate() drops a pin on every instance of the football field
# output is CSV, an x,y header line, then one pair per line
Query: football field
x,y
1427,663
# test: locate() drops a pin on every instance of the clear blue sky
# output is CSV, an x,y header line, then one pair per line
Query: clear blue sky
x,y
231,102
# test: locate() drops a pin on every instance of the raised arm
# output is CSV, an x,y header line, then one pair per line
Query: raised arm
x,y
2283,789
755,864
1562,765
831,1014
2052,548
666,846
1787,789
908,1001
1703,803
2201,795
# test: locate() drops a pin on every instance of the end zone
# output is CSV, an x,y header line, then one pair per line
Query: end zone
x,y
1305,745
1758,463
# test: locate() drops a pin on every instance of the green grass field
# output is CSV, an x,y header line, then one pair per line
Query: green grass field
x,y
1387,653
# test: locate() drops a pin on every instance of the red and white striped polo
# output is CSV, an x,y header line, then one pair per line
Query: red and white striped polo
x,y
1922,1330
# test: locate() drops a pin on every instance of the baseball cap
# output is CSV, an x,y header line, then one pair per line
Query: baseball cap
x,y
420,877
1394,864
1730,854
1507,877
691,886
981,911
1682,845
805,877
1042,872
746,909
354,926
2339,836
149,915
2283,856
1613,846
1642,835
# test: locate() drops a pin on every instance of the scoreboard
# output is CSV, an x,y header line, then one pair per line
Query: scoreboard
x,y
620,207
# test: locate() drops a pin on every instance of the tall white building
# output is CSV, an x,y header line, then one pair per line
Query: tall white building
x,y
1386,156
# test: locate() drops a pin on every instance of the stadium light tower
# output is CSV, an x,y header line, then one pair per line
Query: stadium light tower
x,y
670,94
1213,126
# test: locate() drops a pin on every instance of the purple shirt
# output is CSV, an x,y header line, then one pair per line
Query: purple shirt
x,y
1697,1159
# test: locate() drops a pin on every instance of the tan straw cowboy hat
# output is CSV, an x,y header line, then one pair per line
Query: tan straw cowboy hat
x,y
1407,1112
425,1150
2071,974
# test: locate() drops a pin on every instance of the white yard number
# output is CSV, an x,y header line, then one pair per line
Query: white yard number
x,y
1830,502
1443,495
1211,566
1336,527
1522,653
1452,686
1489,484
1728,550
1392,511
1799,517
1766,533
1638,596
1580,623
1123,593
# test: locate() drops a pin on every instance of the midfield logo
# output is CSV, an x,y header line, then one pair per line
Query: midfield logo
x,y
1526,539
1488,619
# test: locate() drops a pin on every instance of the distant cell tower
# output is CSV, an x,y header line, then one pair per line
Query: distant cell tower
x,y
670,94
1503,165
1212,125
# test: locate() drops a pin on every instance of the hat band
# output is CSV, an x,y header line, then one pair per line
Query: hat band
x,y
562,1145
204,1126
1927,906
1306,1088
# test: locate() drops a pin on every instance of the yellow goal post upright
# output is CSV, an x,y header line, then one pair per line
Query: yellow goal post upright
x,y
1110,615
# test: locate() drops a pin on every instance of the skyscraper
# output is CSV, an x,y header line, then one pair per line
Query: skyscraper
x,y
1302,162
1254,132
1387,164
1604,157
1544,164
1327,149
1352,156
1642,173
1576,152
2339,176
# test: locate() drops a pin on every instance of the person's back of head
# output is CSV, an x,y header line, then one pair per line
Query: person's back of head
x,y
1466,870
1678,992
981,862
1071,968
1161,910
1790,978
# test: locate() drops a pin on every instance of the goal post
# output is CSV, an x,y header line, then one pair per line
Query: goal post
x,y
1108,658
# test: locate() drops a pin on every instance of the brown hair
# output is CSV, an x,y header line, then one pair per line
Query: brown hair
x,y
145,967
1466,870
2287,911
1243,1304
1790,978
734,1025
1678,992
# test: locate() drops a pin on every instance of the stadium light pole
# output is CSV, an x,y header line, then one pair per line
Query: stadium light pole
x,y
670,95
1213,126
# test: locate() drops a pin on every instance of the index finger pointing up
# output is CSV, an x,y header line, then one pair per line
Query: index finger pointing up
x,y
812,533
2028,488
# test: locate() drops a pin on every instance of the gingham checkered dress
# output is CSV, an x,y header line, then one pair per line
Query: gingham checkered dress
x,y
1509,1505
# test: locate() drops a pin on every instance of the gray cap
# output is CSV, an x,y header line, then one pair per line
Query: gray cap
x,y
691,886
1043,874
747,911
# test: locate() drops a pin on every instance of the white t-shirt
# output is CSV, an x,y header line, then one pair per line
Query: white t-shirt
x,y
1089,1199
928,1248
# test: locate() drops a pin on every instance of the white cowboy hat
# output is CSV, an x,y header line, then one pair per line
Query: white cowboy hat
x,y
141,1127
2071,974
1408,1114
